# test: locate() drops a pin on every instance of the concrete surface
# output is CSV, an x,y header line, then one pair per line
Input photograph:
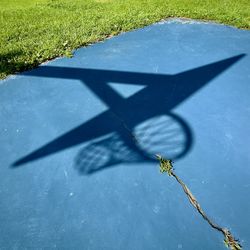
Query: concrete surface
x,y
77,139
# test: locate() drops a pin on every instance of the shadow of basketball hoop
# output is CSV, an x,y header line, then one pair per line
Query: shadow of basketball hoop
x,y
134,128
168,135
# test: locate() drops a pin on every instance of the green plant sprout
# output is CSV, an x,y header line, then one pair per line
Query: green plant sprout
x,y
166,165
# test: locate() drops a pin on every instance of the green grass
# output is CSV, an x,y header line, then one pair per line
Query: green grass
x,y
33,31
15,4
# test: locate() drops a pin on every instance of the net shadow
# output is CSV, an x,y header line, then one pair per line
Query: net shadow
x,y
167,135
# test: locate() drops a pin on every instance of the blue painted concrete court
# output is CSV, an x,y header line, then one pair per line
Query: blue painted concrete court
x,y
78,137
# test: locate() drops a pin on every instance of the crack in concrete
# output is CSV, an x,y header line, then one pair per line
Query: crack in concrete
x,y
229,240
124,125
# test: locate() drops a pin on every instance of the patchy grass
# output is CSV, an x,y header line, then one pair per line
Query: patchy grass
x,y
33,31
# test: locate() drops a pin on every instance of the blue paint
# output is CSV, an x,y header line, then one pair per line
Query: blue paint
x,y
78,137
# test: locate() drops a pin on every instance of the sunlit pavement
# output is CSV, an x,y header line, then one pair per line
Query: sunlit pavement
x,y
78,137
